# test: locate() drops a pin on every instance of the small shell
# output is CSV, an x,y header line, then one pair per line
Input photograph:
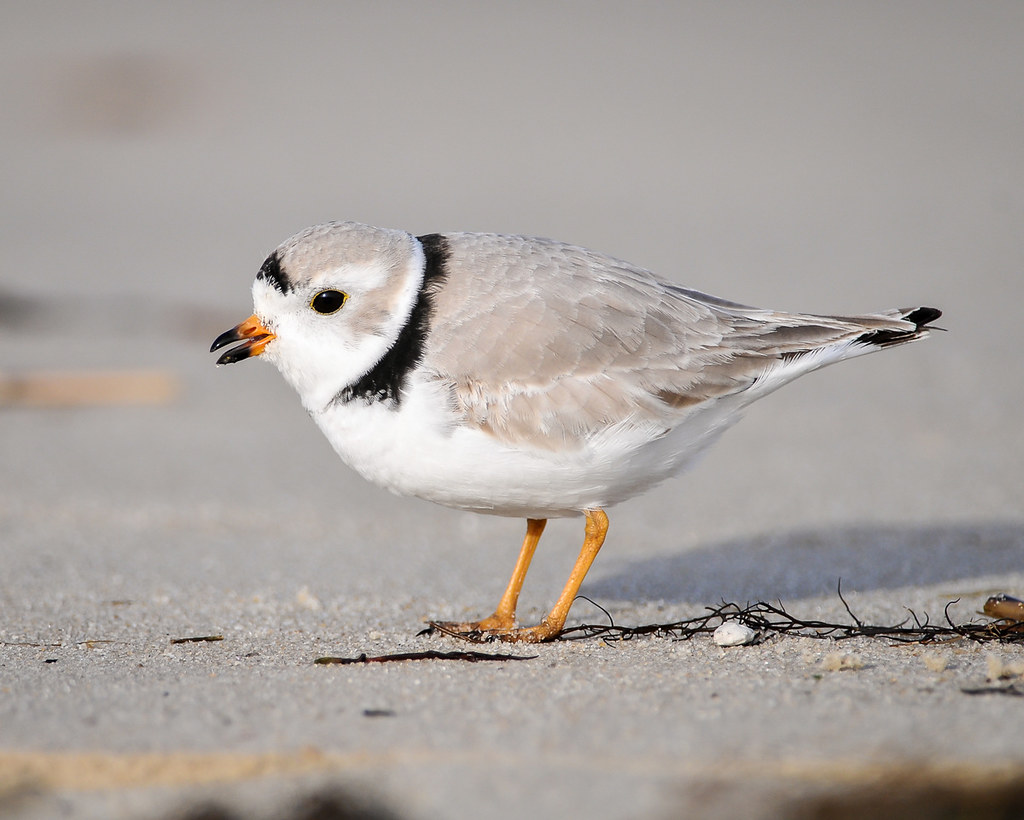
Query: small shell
x,y
734,634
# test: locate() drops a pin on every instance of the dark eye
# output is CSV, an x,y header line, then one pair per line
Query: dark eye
x,y
328,301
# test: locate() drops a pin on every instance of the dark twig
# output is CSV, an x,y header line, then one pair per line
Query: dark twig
x,y
199,639
475,636
1010,689
431,655
608,615
846,606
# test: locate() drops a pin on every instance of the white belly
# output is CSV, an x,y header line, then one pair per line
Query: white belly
x,y
423,451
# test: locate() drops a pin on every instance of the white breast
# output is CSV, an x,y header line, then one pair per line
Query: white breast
x,y
422,449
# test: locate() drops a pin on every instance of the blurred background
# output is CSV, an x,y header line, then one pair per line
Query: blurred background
x,y
828,157
825,157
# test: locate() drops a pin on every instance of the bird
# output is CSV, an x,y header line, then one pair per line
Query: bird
x,y
521,376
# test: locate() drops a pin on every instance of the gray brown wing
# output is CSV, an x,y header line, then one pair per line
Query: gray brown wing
x,y
543,342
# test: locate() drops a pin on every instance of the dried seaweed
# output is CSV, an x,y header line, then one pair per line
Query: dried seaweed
x,y
31,643
1010,689
430,655
768,619
198,639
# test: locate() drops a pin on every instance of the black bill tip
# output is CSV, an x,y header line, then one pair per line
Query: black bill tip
x,y
226,338
236,354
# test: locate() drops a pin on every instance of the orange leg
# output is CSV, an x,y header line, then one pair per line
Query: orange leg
x,y
502,624
504,617
596,529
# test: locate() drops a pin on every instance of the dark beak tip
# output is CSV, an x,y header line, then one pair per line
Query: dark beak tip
x,y
236,354
225,338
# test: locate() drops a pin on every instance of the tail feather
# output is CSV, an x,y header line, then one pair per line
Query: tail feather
x,y
822,340
772,349
917,322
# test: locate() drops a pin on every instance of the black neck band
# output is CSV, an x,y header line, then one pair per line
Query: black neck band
x,y
386,379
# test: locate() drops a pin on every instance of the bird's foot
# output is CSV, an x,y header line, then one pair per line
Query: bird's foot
x,y
532,634
498,628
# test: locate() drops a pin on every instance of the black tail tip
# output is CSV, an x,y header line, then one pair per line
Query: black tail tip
x,y
922,316
919,317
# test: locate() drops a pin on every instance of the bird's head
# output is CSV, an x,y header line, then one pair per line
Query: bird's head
x,y
328,304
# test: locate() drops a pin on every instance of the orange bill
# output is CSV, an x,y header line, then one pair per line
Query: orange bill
x,y
253,335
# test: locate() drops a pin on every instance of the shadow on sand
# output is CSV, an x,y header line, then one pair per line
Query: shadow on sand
x,y
807,563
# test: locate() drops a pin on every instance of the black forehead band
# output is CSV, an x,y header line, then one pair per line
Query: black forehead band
x,y
272,274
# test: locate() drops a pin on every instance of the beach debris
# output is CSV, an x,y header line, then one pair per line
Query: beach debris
x,y
199,639
774,619
1004,607
430,655
1010,689
998,669
842,662
935,661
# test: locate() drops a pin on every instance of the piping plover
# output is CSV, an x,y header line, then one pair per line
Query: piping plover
x,y
522,377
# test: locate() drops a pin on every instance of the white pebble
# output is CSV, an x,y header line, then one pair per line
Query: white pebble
x,y
734,634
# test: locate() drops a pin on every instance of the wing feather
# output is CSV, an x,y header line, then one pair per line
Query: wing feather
x,y
544,343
